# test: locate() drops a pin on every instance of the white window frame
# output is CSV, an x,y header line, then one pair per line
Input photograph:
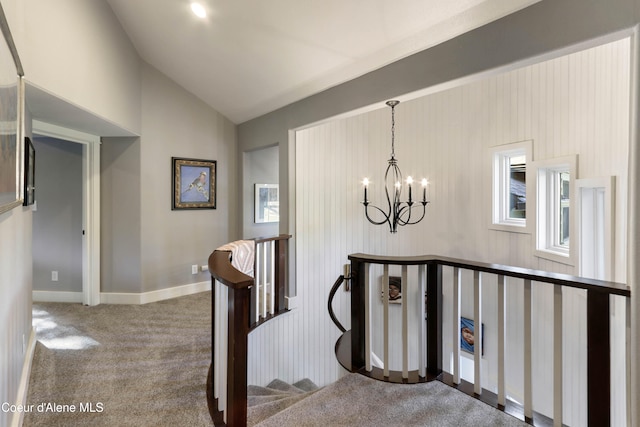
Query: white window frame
x,y
548,208
501,173
607,187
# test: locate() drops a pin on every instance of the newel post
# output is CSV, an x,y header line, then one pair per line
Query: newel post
x,y
237,356
280,263
434,319
357,315
598,359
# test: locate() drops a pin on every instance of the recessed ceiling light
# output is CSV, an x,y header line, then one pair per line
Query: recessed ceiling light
x,y
199,10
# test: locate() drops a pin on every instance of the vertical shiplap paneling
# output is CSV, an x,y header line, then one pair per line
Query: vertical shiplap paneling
x,y
571,105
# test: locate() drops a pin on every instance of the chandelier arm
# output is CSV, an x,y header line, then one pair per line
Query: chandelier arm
x,y
404,209
408,221
366,212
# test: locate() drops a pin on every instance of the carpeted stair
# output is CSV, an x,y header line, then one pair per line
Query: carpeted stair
x,y
355,400
277,396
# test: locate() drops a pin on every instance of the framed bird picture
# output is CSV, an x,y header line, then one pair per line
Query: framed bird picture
x,y
194,184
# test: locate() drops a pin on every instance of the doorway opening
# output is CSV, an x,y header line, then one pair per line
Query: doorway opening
x,y
83,227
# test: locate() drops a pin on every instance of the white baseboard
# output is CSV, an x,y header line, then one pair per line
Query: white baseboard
x,y
54,296
23,387
125,298
153,296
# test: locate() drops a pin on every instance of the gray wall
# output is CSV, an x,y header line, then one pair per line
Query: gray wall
x,y
258,167
176,123
146,246
120,216
77,50
15,297
57,222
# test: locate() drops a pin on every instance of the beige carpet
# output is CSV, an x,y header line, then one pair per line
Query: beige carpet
x,y
118,365
356,400
141,365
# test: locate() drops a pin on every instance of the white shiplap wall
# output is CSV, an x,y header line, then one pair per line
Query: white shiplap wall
x,y
576,104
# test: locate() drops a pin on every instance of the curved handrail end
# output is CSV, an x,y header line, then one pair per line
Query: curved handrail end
x,y
221,269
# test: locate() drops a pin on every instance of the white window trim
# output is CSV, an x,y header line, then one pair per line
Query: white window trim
x,y
542,170
500,188
608,185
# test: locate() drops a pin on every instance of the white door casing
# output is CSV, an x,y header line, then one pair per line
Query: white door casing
x,y
90,204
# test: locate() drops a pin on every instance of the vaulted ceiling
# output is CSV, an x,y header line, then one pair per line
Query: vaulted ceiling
x,y
249,57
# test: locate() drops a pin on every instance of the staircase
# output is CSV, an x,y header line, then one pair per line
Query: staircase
x,y
276,397
356,400
428,395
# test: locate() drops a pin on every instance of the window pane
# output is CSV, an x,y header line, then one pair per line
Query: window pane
x,y
517,187
564,209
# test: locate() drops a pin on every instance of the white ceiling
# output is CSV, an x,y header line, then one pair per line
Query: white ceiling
x,y
250,57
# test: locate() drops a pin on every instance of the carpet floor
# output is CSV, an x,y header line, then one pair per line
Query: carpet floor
x,y
146,365
355,400
137,365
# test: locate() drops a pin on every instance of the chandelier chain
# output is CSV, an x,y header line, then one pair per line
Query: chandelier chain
x,y
393,132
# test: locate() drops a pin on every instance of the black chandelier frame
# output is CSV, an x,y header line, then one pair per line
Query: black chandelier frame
x,y
398,213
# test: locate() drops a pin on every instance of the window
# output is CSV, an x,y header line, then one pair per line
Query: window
x,y
509,207
554,228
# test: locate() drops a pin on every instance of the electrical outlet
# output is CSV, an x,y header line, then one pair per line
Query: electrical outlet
x,y
204,268
54,276
194,269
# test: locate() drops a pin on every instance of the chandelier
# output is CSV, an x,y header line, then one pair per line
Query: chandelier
x,y
397,212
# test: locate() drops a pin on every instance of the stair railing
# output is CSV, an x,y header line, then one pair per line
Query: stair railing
x,y
238,306
332,294
269,294
353,348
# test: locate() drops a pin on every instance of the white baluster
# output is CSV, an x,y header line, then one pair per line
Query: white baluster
x,y
217,367
528,379
557,355
502,395
422,332
257,280
224,348
477,335
385,317
263,278
367,317
457,277
628,354
405,323
273,276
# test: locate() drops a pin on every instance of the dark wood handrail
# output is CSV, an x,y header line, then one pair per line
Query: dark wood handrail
x,y
350,347
240,324
613,288
222,270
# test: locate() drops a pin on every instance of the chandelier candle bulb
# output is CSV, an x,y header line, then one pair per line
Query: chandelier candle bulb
x,y
424,190
365,183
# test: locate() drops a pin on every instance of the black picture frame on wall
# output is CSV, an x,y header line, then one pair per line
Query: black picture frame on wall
x,y
29,173
194,184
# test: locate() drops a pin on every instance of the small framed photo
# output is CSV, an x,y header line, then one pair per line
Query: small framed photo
x,y
394,289
467,335
267,203
194,184
29,173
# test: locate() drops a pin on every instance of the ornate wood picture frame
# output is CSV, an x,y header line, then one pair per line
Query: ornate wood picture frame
x,y
194,184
